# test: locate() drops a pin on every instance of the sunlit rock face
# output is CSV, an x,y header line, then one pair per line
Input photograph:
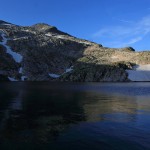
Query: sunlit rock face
x,y
43,53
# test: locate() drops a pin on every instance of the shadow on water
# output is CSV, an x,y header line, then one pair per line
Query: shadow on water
x,y
73,116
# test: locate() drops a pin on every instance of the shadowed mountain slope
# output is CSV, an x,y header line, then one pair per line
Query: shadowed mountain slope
x,y
43,53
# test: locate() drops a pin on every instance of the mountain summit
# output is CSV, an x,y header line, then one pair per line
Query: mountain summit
x,y
43,53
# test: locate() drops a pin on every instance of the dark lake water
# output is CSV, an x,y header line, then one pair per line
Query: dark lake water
x,y
63,116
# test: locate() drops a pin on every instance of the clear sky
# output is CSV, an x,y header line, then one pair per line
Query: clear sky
x,y
112,23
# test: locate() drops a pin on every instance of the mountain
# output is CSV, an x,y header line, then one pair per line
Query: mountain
x,y
43,53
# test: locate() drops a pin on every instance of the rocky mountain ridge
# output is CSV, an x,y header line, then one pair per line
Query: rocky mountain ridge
x,y
43,53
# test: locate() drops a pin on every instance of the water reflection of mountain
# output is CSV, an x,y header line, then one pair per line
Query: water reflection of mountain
x,y
41,112
110,107
38,112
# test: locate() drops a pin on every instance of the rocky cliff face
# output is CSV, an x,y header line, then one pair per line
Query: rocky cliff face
x,y
43,53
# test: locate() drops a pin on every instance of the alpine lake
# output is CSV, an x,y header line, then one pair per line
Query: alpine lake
x,y
74,116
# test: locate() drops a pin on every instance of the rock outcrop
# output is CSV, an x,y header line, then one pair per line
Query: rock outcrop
x,y
43,53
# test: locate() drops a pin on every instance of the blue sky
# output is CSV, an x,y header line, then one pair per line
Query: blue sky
x,y
112,23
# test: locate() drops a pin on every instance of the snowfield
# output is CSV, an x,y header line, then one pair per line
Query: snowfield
x,y
54,75
69,69
12,79
140,73
57,75
17,57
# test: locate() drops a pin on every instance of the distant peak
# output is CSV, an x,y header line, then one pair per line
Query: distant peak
x,y
43,27
41,24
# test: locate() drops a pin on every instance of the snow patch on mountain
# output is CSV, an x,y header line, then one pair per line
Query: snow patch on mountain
x,y
20,70
21,38
56,36
17,57
23,78
57,75
49,34
54,75
140,73
69,69
12,79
